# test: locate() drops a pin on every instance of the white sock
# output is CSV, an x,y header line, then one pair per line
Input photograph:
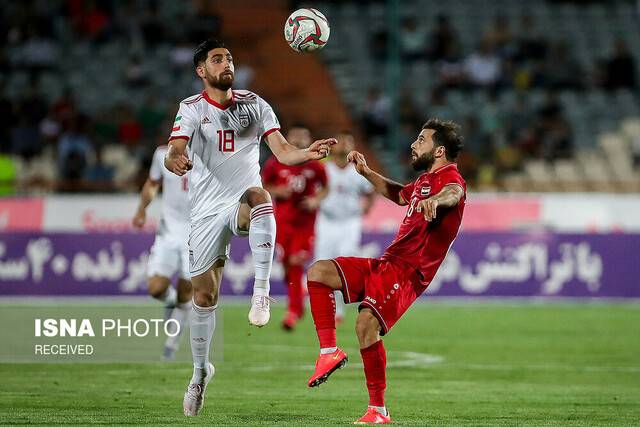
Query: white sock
x,y
262,240
202,325
339,303
381,409
170,296
180,313
328,350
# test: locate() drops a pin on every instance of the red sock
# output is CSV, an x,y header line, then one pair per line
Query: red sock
x,y
323,309
296,295
374,359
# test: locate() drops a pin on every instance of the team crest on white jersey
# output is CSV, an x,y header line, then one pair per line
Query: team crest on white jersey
x,y
244,119
424,191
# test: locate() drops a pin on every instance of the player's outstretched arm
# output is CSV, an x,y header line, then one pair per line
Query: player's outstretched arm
x,y
385,186
287,154
149,191
176,159
449,196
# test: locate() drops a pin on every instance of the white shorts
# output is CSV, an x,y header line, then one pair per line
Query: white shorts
x,y
210,238
336,238
168,256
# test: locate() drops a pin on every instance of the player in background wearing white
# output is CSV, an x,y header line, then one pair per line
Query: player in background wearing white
x,y
339,224
217,134
170,252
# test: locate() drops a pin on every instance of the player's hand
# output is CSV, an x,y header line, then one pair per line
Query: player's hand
x,y
321,148
361,163
310,204
181,165
428,208
139,218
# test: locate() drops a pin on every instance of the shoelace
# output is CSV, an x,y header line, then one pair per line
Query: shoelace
x,y
194,391
262,301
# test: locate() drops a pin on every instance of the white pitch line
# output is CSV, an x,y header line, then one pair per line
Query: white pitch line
x,y
408,359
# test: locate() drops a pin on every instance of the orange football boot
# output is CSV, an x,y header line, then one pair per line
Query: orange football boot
x,y
326,364
373,417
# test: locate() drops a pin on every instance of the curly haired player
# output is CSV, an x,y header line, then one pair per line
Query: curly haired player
x,y
386,287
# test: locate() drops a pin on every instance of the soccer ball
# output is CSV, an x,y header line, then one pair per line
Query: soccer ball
x,y
306,30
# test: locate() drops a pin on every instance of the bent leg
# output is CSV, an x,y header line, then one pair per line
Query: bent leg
x,y
159,287
255,216
322,280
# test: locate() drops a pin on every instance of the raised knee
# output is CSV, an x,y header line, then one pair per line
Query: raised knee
x,y
257,196
318,271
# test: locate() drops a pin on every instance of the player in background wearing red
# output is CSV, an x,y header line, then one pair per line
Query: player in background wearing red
x,y
386,287
298,191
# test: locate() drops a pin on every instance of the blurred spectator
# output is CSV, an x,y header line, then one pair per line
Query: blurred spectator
x,y
129,129
554,131
50,129
517,119
25,138
206,22
151,116
441,38
483,66
38,52
451,68
499,35
152,26
621,68
413,40
99,176
379,44
529,43
438,106
376,114
562,70
181,54
74,149
90,20
135,73
64,108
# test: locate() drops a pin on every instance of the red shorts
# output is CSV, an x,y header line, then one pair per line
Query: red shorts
x,y
295,244
387,288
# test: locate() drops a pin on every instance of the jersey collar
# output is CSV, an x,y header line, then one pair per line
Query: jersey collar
x,y
217,104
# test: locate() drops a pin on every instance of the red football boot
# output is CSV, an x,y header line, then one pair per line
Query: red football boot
x,y
373,417
289,321
325,365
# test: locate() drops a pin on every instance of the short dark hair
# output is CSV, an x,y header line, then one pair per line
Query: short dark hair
x,y
446,134
203,49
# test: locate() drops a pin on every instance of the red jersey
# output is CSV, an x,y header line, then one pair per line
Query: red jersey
x,y
304,181
420,243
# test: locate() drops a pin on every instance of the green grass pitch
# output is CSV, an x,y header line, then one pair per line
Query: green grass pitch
x,y
458,364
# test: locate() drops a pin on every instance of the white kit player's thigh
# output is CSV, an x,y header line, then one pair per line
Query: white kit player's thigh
x,y
164,258
232,220
185,269
349,237
208,242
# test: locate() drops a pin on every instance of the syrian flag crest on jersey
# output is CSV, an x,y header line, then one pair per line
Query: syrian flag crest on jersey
x,y
424,191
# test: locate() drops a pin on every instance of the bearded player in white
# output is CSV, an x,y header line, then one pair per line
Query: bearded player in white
x,y
339,223
217,134
170,252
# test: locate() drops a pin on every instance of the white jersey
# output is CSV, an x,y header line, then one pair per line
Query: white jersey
x,y
175,198
224,147
346,188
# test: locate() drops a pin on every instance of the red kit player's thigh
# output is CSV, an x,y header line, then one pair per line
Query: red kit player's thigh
x,y
354,273
390,292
